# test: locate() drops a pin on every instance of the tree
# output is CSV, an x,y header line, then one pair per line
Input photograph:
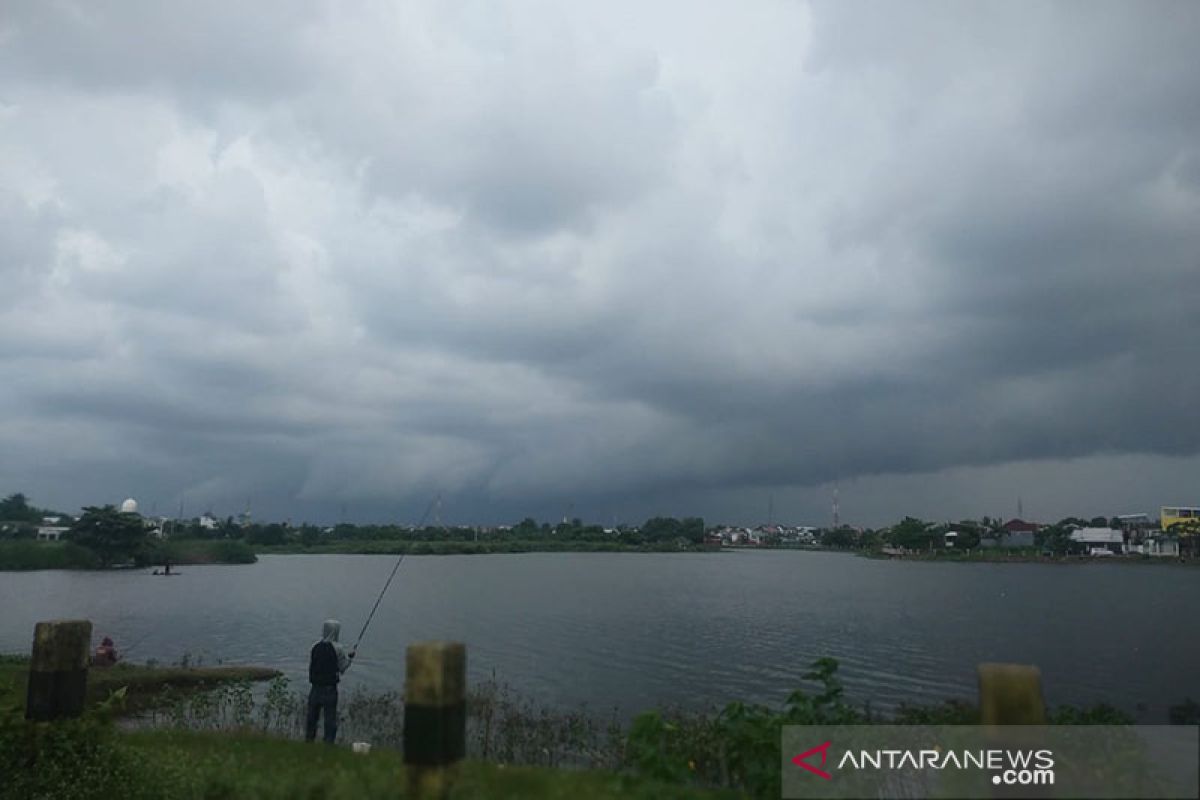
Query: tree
x,y
912,534
114,536
16,508
526,528
664,529
841,538
267,534
1055,538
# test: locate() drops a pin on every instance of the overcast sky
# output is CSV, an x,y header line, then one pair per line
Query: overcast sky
x,y
609,261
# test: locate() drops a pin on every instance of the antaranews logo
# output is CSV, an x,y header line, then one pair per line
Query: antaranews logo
x,y
823,749
1008,767
853,762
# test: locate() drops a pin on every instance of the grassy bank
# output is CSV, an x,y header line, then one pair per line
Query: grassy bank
x,y
25,555
30,555
202,765
203,551
212,765
145,686
446,548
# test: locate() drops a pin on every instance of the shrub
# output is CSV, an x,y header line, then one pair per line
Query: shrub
x,y
75,759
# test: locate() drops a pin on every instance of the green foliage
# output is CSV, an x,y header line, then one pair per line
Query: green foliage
x,y
1056,539
31,555
67,760
114,536
200,551
841,538
267,534
16,508
1099,714
913,534
659,529
739,747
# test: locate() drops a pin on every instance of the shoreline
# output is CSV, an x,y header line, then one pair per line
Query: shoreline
x,y
1030,559
386,547
146,687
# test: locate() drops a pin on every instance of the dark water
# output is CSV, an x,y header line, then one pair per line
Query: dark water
x,y
638,630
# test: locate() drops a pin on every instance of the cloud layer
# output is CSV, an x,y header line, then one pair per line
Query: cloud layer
x,y
532,255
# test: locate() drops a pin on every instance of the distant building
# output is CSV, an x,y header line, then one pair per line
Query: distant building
x,y
208,521
130,506
1164,545
51,533
1100,541
1156,543
1017,534
1171,515
1009,539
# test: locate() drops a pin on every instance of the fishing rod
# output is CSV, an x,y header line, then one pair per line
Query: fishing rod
x,y
395,569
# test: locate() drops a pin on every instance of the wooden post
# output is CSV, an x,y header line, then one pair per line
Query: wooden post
x,y
435,716
1010,694
58,670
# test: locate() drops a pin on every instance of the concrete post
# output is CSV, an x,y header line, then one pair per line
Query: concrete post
x,y
58,669
435,716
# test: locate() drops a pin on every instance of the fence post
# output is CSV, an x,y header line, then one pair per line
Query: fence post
x,y
1010,694
58,669
435,716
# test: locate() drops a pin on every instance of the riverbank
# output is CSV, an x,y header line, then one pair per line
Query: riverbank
x,y
26,555
447,548
18,556
146,687
1003,557
182,764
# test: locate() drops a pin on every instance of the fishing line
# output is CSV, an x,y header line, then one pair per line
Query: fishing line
x,y
395,569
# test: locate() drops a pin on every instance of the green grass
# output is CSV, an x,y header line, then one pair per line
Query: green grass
x,y
201,765
144,685
30,555
202,551
25,554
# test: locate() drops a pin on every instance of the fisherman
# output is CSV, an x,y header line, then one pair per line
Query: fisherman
x,y
327,661
106,654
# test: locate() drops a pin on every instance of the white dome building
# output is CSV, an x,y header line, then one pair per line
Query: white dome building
x,y
129,506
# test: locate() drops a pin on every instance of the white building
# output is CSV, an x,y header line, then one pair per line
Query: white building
x,y
208,521
51,533
1100,541
130,506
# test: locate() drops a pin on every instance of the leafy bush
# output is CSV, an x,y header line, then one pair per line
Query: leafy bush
x,y
24,554
739,747
75,759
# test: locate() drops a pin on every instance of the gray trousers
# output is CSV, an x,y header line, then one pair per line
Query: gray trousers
x,y
321,699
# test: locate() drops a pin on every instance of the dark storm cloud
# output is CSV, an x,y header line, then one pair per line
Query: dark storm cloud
x,y
629,262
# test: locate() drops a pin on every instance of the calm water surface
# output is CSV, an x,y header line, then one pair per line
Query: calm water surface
x,y
639,630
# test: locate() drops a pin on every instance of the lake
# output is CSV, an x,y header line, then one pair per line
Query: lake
x,y
634,630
